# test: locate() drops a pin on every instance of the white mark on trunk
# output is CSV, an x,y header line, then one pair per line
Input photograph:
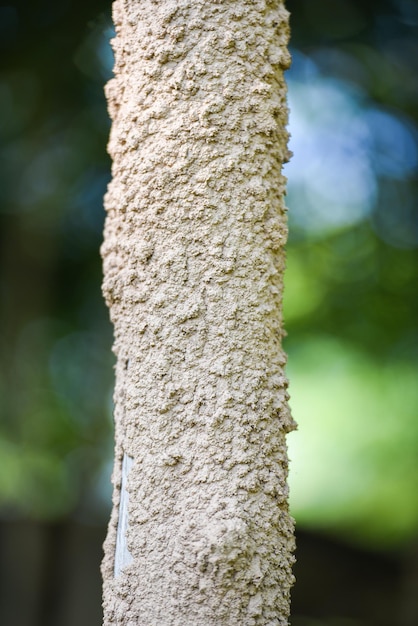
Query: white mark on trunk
x,y
122,555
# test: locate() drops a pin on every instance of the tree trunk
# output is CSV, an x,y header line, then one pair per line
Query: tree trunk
x,y
200,533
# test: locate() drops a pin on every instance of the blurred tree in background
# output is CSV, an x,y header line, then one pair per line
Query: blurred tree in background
x,y
351,306
55,351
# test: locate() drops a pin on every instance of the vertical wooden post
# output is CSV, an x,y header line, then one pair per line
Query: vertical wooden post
x,y
193,263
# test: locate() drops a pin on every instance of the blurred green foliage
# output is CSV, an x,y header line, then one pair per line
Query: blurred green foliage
x,y
351,302
55,385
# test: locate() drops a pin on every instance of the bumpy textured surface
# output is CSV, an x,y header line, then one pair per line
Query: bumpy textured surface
x,y
193,262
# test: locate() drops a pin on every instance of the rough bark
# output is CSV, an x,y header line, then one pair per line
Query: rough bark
x,y
193,263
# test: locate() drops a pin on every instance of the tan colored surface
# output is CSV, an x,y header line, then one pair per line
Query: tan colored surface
x,y
193,261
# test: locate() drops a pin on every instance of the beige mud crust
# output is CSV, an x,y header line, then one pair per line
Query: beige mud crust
x,y
193,264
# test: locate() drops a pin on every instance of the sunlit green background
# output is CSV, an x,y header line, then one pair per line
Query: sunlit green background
x,y
351,297
351,300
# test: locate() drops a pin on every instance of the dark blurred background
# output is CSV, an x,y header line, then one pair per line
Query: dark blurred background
x,y
351,308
